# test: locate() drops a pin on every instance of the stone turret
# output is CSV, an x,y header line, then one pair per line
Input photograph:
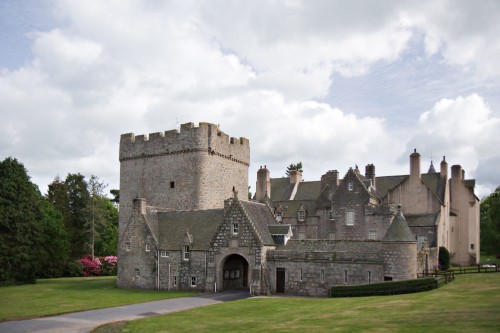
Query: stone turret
x,y
444,168
399,248
370,173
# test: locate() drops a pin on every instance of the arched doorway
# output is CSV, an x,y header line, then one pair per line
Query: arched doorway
x,y
235,273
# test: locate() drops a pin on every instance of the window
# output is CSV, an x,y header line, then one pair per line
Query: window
x,y
421,240
127,247
279,216
322,276
372,234
193,281
369,277
137,272
331,236
172,184
235,228
185,250
387,278
302,216
164,254
302,235
175,280
345,276
148,248
472,246
331,216
350,186
349,217
301,275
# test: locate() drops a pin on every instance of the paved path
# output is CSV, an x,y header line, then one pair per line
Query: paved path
x,y
87,320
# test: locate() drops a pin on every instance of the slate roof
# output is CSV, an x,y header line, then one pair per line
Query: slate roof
x,y
435,183
422,220
291,207
281,189
399,231
202,225
387,183
308,190
279,229
261,217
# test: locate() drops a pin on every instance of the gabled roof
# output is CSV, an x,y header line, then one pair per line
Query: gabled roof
x,y
261,217
436,184
279,229
387,183
202,225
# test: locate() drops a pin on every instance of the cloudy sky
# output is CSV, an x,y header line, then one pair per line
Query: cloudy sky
x,y
329,83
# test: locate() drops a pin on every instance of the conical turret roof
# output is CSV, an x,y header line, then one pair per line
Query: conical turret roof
x,y
399,231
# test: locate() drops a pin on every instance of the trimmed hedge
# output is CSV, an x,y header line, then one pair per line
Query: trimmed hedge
x,y
385,288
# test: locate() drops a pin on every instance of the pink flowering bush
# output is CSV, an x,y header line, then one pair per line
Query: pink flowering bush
x,y
109,265
99,265
91,267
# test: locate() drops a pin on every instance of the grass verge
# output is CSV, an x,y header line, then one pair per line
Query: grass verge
x,y
57,296
469,304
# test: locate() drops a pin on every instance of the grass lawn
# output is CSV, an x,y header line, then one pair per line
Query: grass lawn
x,y
469,304
56,296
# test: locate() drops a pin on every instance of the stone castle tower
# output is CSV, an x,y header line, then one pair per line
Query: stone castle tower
x,y
191,168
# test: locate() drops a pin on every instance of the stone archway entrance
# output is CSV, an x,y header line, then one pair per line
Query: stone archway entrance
x,y
235,273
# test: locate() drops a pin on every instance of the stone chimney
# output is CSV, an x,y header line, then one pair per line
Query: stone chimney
x,y
295,177
331,178
140,205
263,185
370,173
444,168
456,173
415,165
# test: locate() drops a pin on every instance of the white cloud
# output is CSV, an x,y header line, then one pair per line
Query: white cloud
x,y
255,67
466,131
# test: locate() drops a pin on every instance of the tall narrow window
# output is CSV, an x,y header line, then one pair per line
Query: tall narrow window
x,y
301,275
322,276
279,216
186,252
127,247
331,216
349,217
345,276
137,272
172,184
175,280
235,228
148,248
369,277
421,241
193,281
350,186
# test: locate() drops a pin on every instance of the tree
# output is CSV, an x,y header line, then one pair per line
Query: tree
x,y
490,223
116,194
20,213
293,167
96,189
79,219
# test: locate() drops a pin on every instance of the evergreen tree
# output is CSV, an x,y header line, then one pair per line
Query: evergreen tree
x,y
106,231
293,167
20,213
78,221
490,223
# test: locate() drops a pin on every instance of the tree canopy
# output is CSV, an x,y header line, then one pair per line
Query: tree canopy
x,y
293,167
490,223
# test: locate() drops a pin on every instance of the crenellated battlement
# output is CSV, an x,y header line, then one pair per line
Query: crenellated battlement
x,y
205,137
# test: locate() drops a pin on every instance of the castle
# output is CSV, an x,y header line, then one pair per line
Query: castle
x,y
186,222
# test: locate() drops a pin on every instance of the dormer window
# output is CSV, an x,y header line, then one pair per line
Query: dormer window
x,y
302,216
279,216
350,186
185,252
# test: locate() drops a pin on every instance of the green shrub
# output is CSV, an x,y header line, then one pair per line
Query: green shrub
x,y
444,258
385,288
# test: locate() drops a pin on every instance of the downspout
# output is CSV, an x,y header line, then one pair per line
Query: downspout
x,y
158,270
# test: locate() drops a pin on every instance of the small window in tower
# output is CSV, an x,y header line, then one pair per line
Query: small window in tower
x,y
193,281
345,276
322,276
175,280
148,248
137,272
301,275
331,216
235,228
369,277
172,184
127,247
472,246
